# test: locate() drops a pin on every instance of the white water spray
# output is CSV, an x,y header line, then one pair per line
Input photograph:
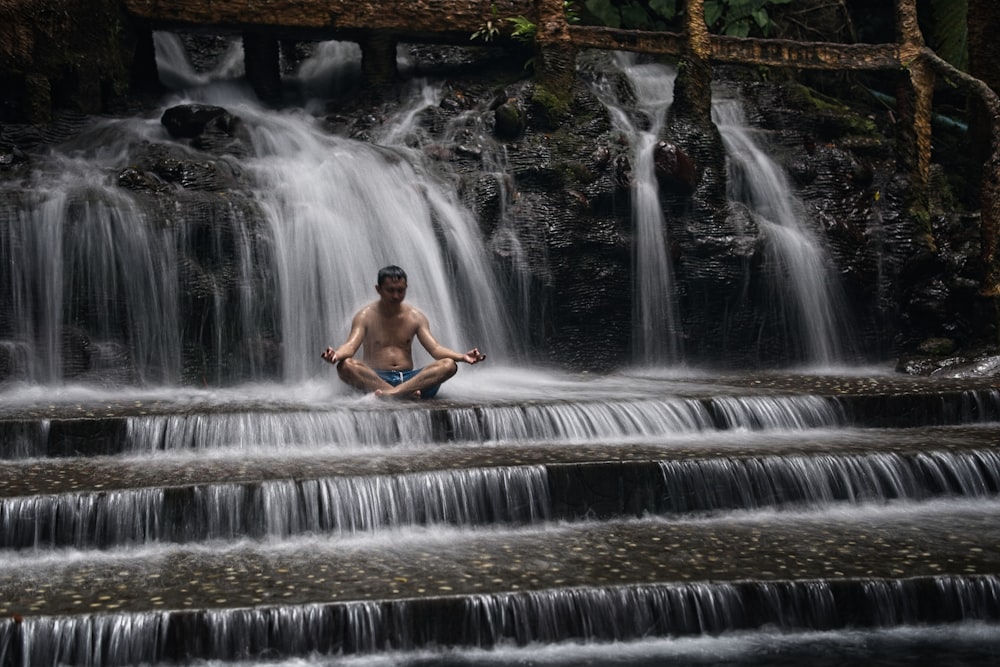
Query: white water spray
x,y
655,322
807,295
336,210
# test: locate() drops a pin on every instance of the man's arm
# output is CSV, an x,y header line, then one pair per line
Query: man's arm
x,y
439,351
352,344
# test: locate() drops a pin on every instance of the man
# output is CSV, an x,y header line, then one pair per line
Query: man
x,y
386,329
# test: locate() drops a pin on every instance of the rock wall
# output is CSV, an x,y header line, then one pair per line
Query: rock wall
x,y
68,54
569,199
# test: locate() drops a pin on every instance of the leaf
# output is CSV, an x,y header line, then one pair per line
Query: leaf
x,y
665,8
605,12
634,16
739,28
761,18
738,11
713,12
949,31
524,30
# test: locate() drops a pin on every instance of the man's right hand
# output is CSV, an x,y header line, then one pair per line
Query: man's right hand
x,y
330,355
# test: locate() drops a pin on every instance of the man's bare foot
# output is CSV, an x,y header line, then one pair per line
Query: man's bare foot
x,y
386,394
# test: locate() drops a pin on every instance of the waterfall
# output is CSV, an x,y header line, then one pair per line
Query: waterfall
x,y
76,251
170,518
530,618
655,321
365,505
806,298
807,303
94,264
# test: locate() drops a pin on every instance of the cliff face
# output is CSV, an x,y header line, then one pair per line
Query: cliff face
x,y
571,200
70,54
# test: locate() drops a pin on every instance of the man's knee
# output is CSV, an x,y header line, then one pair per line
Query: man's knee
x,y
347,369
449,366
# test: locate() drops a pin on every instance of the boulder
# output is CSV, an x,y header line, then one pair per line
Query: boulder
x,y
187,121
675,170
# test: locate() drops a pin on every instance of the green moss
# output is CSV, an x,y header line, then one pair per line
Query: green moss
x,y
579,172
922,223
551,108
849,119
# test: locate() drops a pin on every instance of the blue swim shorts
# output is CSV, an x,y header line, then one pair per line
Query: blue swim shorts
x,y
396,378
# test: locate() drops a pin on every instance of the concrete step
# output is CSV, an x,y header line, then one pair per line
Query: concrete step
x,y
232,528
594,580
103,502
585,412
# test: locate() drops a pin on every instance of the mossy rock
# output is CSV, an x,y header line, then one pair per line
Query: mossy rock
x,y
550,108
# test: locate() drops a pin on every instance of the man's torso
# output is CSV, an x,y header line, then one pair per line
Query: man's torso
x,y
388,341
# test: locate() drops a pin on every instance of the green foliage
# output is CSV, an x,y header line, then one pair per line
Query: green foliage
x,y
571,14
948,30
738,18
524,30
490,28
633,14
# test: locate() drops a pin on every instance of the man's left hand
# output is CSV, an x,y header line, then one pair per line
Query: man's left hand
x,y
474,356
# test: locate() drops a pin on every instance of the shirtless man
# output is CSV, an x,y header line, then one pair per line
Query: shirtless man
x,y
386,328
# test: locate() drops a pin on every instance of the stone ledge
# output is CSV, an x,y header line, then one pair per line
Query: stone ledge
x,y
873,543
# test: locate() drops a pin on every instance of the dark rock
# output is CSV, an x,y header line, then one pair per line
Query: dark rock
x,y
675,170
985,366
937,346
134,178
11,155
916,366
803,172
510,121
473,152
194,174
187,121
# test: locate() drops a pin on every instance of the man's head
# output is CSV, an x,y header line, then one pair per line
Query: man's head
x,y
391,272
391,284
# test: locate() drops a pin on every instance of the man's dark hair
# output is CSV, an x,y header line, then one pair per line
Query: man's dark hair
x,y
391,272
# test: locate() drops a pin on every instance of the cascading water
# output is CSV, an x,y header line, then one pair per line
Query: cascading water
x,y
800,276
618,518
335,210
339,209
656,339
807,301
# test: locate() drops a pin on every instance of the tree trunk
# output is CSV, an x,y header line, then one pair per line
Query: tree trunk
x,y
915,101
990,184
555,63
689,121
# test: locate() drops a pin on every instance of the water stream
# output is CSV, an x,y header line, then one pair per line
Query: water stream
x,y
121,502
656,334
807,301
335,211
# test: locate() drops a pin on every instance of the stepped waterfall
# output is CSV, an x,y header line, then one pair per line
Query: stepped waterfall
x,y
184,481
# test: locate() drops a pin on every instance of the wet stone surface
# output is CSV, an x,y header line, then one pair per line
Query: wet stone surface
x,y
97,474
846,540
764,384
448,564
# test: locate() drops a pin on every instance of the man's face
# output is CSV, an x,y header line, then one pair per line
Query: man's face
x,y
392,290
